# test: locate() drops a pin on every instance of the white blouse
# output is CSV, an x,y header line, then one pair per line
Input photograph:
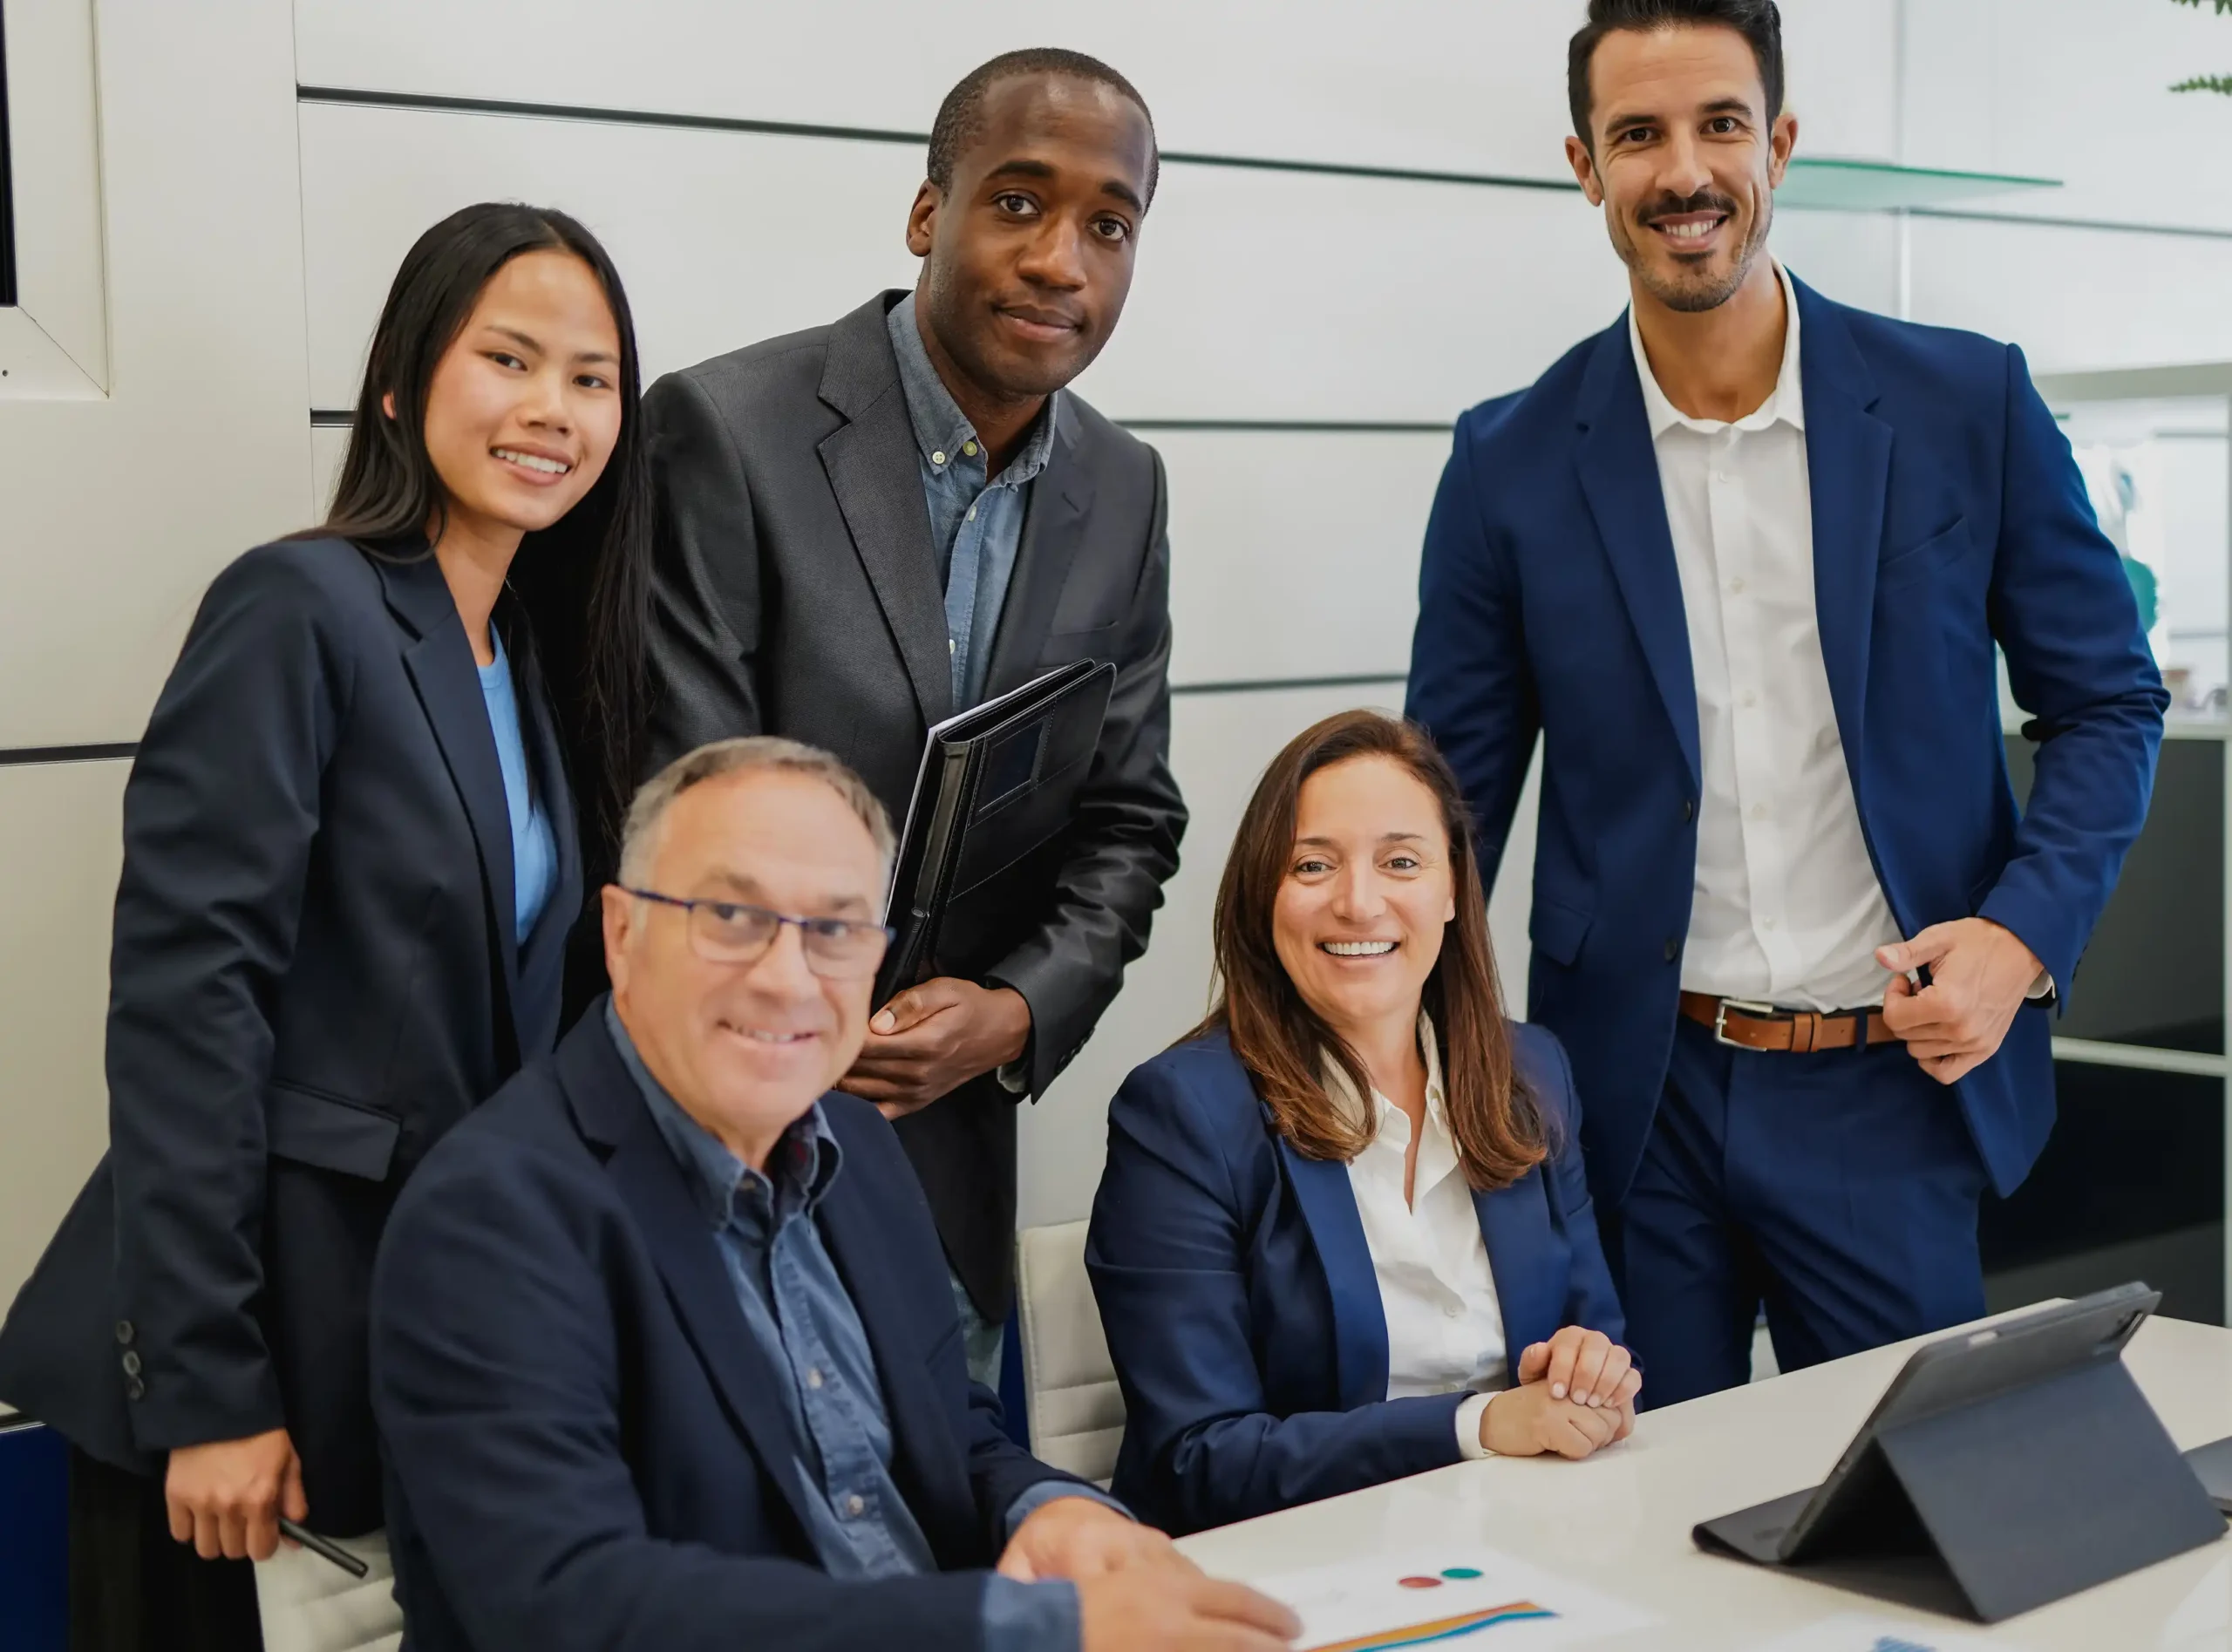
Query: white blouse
x,y
1445,1323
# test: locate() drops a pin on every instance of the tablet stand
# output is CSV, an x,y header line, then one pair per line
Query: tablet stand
x,y
2000,1506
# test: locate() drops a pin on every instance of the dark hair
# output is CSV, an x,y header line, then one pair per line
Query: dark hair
x,y
961,116
1498,1128
1758,21
583,584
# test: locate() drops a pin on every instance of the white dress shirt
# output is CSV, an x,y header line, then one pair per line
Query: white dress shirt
x,y
1445,1322
1787,909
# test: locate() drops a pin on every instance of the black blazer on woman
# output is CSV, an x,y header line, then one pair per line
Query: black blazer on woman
x,y
313,975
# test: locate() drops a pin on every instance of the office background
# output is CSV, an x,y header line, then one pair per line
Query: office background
x,y
1366,223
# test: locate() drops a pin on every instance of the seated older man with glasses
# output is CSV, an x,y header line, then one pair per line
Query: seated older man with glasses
x,y
664,1353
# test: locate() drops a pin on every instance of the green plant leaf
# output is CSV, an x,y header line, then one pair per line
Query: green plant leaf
x,y
2223,7
2206,83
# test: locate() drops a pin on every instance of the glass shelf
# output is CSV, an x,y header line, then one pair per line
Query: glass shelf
x,y
1877,185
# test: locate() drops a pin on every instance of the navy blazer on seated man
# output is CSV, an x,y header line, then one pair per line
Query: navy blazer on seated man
x,y
589,1445
1241,1305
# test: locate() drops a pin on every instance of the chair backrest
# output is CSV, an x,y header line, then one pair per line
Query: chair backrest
x,y
1077,1411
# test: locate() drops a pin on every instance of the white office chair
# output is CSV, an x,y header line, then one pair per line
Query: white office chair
x,y
312,1604
1077,1411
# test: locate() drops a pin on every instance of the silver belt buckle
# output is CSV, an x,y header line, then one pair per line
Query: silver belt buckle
x,y
1744,1006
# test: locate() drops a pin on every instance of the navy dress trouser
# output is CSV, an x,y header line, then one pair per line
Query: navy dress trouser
x,y
1839,1188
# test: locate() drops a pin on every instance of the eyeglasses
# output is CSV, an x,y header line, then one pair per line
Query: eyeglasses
x,y
728,932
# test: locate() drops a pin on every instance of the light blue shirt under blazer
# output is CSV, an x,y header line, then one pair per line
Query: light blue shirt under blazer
x,y
975,520
535,845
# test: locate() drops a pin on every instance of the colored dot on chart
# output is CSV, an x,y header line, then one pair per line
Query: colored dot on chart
x,y
1461,1573
1418,1583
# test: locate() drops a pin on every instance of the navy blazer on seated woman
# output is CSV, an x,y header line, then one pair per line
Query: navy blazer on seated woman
x,y
1241,1305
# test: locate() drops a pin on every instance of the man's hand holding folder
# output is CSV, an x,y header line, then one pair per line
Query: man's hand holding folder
x,y
976,868
933,1039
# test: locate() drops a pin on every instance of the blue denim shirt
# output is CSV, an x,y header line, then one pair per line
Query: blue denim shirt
x,y
799,1312
975,524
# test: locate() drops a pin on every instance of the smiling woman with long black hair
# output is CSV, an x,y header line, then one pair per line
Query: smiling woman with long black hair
x,y
351,863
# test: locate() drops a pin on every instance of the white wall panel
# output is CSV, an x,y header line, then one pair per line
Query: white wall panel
x,y
2078,298
1475,84
60,836
327,446
1852,257
1512,897
1285,296
1259,294
1295,555
115,511
1472,85
2079,91
721,239
1841,58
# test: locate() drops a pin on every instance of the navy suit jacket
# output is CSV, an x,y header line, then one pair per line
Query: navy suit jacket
x,y
1949,517
314,974
1241,1305
586,1447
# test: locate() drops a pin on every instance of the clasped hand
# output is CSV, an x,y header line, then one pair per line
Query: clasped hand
x,y
931,1040
1576,1393
1979,974
1135,1589
225,1498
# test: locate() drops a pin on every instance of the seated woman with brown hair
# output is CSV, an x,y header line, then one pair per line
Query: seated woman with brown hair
x,y
1344,1233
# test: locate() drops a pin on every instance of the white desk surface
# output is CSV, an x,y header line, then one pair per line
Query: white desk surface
x,y
1620,1522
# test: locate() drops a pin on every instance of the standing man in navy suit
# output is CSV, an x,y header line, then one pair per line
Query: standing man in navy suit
x,y
1742,561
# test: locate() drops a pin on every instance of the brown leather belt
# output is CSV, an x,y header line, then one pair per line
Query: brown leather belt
x,y
1761,1026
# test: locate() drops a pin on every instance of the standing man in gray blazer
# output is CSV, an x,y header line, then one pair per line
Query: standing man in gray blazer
x,y
871,526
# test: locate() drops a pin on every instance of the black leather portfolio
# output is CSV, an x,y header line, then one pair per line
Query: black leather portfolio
x,y
989,821
2004,1468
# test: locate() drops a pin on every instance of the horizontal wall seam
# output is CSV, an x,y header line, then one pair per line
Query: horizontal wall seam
x,y
442,104
2041,221
23,756
1273,684
1299,426
341,419
436,103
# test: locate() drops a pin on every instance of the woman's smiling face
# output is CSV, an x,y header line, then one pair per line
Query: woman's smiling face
x,y
1359,916
524,409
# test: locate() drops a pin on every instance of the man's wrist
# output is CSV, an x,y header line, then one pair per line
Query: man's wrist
x,y
1031,1617
1032,1499
1014,1009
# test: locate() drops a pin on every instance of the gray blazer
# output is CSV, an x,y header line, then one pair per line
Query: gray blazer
x,y
798,593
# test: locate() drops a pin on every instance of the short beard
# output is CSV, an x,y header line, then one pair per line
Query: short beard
x,y
1692,300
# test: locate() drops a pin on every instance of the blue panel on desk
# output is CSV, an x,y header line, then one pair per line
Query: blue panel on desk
x,y
34,1539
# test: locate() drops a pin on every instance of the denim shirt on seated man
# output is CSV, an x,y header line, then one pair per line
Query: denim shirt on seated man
x,y
1304,1294
663,1355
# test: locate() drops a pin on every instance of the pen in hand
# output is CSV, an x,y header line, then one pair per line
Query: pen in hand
x,y
324,1548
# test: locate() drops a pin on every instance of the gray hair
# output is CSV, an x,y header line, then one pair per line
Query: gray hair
x,y
639,837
